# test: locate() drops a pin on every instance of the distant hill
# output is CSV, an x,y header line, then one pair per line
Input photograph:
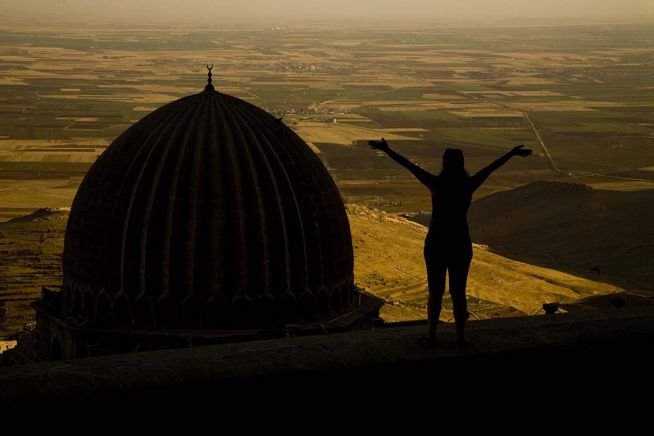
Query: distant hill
x,y
599,234
388,263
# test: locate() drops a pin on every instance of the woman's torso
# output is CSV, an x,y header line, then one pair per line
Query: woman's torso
x,y
451,199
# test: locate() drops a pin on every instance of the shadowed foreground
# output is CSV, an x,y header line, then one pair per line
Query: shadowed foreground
x,y
605,349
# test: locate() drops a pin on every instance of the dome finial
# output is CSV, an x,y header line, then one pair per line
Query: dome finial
x,y
209,86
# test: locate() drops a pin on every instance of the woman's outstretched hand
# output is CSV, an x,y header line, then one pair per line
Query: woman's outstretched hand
x,y
519,150
378,145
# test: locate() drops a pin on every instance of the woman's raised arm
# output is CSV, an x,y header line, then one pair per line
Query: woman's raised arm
x,y
425,177
480,177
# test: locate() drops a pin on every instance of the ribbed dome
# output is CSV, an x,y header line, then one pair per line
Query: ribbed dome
x,y
207,213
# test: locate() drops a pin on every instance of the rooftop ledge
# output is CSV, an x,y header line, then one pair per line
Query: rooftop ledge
x,y
613,343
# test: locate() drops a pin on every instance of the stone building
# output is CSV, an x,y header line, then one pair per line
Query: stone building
x,y
207,221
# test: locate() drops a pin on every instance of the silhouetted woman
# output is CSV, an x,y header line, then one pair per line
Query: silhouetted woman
x,y
448,248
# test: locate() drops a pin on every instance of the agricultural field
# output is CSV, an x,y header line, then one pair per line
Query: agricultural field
x,y
588,90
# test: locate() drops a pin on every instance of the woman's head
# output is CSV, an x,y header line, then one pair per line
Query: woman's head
x,y
453,163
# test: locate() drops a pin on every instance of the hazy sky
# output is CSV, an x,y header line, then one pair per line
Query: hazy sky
x,y
271,11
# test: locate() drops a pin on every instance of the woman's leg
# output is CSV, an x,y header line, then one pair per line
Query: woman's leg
x,y
458,273
436,279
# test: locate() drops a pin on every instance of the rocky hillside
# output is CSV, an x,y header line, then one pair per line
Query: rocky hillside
x,y
30,256
388,263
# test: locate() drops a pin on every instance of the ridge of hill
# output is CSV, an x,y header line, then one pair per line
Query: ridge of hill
x,y
43,214
388,263
605,235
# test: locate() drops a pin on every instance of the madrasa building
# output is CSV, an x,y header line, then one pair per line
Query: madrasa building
x,y
208,221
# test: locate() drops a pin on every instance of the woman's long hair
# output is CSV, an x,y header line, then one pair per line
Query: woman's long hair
x,y
453,164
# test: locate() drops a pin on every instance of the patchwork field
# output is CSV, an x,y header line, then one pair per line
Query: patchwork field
x,y
589,91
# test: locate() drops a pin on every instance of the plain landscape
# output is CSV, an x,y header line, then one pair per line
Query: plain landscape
x,y
571,223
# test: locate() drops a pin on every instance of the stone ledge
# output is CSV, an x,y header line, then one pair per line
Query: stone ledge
x,y
609,340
